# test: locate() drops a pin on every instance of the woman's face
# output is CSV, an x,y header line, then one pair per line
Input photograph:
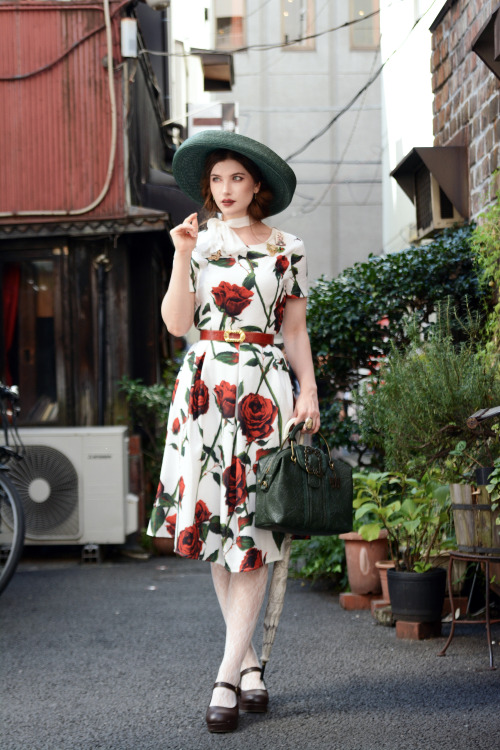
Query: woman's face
x,y
233,188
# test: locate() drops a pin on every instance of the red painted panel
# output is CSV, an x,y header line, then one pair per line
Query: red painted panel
x,y
55,125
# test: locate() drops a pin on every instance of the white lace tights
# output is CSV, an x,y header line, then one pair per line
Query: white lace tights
x,y
240,597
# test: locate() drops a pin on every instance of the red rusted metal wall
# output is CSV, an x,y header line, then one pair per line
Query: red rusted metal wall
x,y
55,125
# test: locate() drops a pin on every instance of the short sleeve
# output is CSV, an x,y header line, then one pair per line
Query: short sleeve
x,y
296,283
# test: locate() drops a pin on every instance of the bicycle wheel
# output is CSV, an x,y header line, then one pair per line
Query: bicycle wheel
x,y
11,529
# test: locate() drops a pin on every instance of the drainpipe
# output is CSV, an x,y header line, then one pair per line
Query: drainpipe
x,y
102,265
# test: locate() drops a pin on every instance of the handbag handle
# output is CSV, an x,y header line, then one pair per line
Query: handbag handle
x,y
292,437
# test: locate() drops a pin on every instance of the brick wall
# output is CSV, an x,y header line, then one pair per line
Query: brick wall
x,y
467,97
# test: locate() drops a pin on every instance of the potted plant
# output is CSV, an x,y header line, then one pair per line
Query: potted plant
x,y
416,516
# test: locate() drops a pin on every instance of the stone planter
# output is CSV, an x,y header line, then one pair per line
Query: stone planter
x,y
361,556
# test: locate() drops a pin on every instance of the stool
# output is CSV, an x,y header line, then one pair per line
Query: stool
x,y
476,557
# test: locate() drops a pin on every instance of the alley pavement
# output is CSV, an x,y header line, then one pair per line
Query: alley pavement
x,y
121,655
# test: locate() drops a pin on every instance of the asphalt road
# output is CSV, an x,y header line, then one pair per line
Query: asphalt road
x,y
122,655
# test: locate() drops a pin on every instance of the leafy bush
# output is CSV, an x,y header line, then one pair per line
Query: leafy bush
x,y
485,242
355,318
148,415
319,558
418,410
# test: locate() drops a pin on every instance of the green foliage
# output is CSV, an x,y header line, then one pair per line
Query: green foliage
x,y
148,415
415,513
418,410
485,242
321,557
354,318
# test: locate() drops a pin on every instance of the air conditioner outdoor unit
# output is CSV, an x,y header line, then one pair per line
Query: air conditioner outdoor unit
x,y
73,483
435,211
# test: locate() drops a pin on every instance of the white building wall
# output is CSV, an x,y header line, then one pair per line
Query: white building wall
x,y
406,105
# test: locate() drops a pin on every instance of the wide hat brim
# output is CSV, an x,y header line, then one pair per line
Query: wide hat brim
x,y
189,161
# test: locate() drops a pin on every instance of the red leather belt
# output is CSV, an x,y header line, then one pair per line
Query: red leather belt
x,y
238,336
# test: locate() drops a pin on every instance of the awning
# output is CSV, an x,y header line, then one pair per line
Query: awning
x,y
487,43
448,164
218,71
137,220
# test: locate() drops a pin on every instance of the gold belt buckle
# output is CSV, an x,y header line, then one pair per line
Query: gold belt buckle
x,y
238,333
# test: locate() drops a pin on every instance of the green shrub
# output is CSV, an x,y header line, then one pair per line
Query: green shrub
x,y
417,411
319,558
355,318
148,407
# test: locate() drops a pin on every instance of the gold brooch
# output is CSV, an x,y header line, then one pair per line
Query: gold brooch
x,y
279,247
215,256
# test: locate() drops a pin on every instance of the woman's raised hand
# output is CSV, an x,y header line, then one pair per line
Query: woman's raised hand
x,y
185,235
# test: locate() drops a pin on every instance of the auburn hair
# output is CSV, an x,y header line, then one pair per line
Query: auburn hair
x,y
260,205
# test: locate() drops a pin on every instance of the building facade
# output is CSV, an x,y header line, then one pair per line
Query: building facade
x,y
86,202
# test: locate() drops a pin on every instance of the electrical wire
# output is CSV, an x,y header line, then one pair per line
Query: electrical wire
x,y
68,51
359,93
266,47
318,202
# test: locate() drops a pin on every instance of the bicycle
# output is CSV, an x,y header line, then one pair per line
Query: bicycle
x,y
12,525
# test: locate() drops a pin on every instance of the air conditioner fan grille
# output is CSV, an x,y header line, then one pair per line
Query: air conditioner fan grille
x,y
48,486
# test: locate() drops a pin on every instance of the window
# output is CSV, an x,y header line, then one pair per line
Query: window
x,y
365,34
297,22
30,290
229,24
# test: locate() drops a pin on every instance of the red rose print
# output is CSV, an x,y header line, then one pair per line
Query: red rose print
x,y
282,264
278,314
201,512
198,399
175,389
170,521
234,480
231,298
226,398
189,543
256,414
252,560
159,491
243,521
198,365
176,426
182,487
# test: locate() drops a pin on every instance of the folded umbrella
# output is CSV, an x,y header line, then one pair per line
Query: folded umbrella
x,y
276,599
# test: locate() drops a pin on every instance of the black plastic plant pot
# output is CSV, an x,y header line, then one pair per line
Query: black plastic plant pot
x,y
483,474
417,597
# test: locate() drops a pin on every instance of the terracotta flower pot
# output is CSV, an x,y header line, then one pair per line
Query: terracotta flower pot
x,y
383,566
163,545
361,556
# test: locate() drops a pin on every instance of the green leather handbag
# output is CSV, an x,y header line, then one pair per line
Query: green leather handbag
x,y
304,491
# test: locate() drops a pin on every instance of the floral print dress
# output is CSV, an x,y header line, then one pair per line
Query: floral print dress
x,y
230,403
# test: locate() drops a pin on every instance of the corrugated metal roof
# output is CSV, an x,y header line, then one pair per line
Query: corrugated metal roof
x,y
55,115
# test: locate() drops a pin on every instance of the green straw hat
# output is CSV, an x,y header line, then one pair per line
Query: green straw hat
x,y
189,162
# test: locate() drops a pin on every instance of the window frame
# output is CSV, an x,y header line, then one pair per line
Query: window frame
x,y
376,30
230,41
307,45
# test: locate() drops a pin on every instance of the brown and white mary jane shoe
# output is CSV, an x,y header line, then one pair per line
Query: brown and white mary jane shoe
x,y
222,718
253,701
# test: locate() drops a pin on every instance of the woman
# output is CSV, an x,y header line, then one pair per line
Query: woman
x,y
240,282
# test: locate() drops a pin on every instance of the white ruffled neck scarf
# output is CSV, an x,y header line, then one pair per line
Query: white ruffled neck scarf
x,y
220,241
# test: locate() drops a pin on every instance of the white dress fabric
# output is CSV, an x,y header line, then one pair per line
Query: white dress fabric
x,y
230,403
